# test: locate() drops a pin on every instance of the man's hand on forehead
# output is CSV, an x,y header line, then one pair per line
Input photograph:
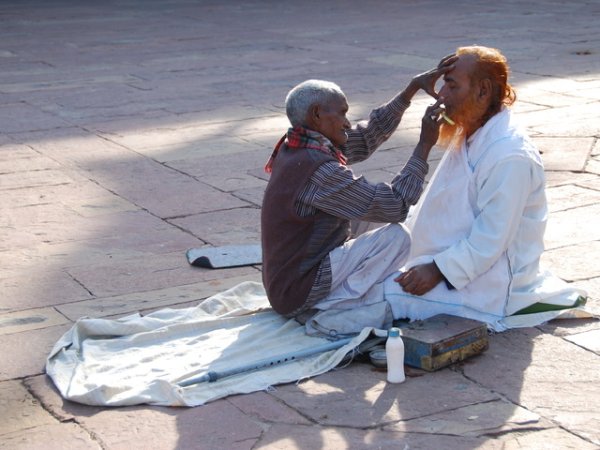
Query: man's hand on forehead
x,y
427,80
447,60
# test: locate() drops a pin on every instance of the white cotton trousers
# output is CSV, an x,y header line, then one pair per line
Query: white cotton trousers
x,y
360,265
359,268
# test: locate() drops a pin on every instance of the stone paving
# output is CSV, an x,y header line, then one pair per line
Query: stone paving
x,y
133,130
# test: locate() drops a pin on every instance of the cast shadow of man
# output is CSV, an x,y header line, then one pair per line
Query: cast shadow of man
x,y
461,406
529,385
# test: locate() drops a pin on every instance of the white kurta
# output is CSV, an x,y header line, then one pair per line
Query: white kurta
x,y
482,220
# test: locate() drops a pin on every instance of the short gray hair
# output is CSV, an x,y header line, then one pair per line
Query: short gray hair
x,y
306,94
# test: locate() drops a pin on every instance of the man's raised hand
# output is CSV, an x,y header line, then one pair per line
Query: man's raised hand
x,y
427,80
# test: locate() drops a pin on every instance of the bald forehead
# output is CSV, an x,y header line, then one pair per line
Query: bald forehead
x,y
463,67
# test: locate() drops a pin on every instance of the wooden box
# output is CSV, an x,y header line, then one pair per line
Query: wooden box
x,y
441,340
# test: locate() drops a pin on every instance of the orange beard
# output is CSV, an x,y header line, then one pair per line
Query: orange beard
x,y
466,117
449,134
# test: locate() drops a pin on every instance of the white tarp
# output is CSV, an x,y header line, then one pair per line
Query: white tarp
x,y
135,360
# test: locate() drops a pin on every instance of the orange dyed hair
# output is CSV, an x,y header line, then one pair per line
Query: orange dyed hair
x,y
491,64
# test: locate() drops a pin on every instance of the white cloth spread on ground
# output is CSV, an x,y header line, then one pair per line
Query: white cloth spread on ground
x,y
482,220
136,360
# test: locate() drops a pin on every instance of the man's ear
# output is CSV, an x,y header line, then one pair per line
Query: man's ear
x,y
485,88
313,116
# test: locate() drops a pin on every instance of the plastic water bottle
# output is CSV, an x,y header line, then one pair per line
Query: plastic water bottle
x,y
394,353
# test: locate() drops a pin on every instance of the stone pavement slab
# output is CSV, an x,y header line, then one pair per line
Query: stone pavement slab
x,y
153,299
590,340
229,227
571,196
489,418
30,290
579,267
147,274
30,319
572,227
19,117
24,353
214,167
283,437
545,374
132,131
217,425
64,436
19,409
563,153
362,398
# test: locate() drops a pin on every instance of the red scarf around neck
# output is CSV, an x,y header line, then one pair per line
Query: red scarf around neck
x,y
299,138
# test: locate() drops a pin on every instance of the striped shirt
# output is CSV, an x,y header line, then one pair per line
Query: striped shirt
x,y
334,189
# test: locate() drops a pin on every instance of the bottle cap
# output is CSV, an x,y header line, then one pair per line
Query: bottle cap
x,y
394,332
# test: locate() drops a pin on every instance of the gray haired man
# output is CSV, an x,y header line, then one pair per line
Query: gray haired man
x,y
309,261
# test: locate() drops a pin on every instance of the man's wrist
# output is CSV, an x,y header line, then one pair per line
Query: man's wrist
x,y
443,277
410,91
422,150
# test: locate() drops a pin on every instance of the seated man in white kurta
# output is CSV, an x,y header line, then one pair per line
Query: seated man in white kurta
x,y
477,233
